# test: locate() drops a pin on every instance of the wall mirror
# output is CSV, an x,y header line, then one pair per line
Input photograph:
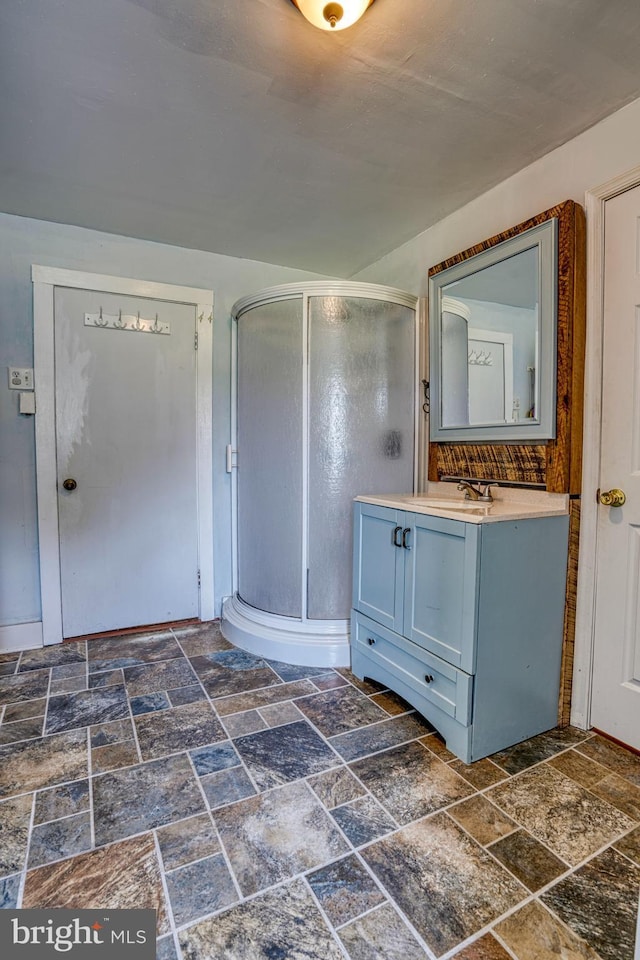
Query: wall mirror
x,y
492,341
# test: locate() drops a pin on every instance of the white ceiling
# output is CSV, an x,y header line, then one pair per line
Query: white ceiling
x,y
234,126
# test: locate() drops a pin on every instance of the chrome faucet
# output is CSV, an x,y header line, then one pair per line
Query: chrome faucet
x,y
481,492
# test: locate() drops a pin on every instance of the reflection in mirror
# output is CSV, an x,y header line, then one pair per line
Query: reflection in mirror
x,y
491,345
493,325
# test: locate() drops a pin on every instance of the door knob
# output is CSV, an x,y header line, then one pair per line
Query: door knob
x,y
69,484
612,498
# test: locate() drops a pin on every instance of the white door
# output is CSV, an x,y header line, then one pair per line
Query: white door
x,y
616,668
126,445
490,377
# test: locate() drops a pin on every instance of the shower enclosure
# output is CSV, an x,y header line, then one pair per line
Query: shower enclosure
x,y
325,411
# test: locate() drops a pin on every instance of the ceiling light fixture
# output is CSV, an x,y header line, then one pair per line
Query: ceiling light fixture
x,y
332,16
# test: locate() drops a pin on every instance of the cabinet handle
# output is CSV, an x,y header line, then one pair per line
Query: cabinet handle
x,y
405,534
370,641
428,678
394,536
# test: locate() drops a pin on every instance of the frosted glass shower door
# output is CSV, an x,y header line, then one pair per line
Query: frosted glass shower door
x,y
270,408
361,417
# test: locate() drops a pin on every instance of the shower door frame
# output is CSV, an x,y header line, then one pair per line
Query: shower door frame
x,y
329,635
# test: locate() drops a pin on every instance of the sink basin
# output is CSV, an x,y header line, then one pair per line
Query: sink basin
x,y
460,504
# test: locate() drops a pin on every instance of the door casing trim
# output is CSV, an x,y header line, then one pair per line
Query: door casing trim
x,y
595,201
44,280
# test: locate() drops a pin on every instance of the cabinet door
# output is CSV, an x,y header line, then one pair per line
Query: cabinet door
x,y
378,575
441,577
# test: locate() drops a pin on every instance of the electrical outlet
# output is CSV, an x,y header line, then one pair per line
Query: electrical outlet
x,y
20,378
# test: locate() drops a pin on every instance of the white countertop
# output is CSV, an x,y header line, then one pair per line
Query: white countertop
x,y
509,503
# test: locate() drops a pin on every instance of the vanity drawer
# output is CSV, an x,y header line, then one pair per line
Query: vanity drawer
x,y
431,678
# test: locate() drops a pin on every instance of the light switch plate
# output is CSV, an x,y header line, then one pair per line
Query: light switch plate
x,y
20,378
27,403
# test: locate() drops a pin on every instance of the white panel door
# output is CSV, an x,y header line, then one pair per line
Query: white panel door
x,y
126,436
616,669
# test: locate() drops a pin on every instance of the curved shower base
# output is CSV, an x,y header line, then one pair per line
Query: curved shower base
x,y
310,643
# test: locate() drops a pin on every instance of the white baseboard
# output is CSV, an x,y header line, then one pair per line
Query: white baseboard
x,y
20,636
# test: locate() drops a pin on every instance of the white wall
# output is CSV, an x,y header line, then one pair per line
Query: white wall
x,y
606,150
23,242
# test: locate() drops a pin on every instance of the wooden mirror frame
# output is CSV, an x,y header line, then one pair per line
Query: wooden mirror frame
x,y
555,465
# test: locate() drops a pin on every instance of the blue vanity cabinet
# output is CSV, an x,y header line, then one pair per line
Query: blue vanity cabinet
x,y
464,620
378,586
440,589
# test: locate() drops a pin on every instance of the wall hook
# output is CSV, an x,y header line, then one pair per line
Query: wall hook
x,y
427,401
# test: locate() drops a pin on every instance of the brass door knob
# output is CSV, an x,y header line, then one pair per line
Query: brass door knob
x,y
612,498
69,484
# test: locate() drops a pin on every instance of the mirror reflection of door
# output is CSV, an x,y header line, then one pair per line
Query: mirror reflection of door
x,y
490,363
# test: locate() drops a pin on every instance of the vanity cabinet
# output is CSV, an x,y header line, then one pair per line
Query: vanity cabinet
x,y
462,618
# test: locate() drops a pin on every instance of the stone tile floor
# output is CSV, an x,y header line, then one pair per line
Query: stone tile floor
x,y
271,811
